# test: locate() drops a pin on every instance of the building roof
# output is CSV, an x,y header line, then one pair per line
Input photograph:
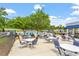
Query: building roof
x,y
72,25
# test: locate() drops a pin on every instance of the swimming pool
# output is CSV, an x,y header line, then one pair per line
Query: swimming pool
x,y
29,33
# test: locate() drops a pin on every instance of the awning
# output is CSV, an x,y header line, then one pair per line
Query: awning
x,y
72,26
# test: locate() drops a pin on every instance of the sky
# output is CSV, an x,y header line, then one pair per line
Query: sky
x,y
59,13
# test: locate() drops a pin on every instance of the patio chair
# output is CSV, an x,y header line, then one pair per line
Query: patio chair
x,y
21,41
57,45
76,43
60,50
35,41
47,38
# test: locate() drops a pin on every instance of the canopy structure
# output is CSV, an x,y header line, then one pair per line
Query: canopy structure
x,y
72,25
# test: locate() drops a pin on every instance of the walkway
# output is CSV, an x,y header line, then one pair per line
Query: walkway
x,y
43,48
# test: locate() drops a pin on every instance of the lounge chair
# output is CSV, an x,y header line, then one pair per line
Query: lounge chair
x,y
60,50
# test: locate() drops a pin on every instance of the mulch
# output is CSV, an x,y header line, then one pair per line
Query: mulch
x,y
6,47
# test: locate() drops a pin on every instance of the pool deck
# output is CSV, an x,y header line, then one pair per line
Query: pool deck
x,y
43,48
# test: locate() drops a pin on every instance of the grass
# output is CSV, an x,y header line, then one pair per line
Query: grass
x,y
3,40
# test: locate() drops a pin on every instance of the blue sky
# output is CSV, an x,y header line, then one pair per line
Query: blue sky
x,y
59,13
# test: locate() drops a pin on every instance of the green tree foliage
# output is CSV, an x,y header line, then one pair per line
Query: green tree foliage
x,y
37,21
3,13
40,20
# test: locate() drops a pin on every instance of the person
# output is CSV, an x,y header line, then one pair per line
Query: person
x,y
37,37
63,36
16,35
34,42
33,36
21,40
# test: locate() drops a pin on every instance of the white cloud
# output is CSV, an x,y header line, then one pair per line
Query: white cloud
x,y
56,20
68,19
77,4
38,6
52,17
71,19
10,11
75,7
75,13
75,10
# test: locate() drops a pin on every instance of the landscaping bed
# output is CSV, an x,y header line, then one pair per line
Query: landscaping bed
x,y
6,44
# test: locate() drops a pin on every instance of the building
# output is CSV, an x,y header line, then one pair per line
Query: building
x,y
73,28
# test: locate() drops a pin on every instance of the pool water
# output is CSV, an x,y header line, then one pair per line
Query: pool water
x,y
29,33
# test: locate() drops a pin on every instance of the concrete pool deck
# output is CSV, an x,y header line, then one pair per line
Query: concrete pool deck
x,y
43,48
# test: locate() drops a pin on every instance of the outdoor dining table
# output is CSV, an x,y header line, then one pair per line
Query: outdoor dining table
x,y
29,40
50,37
76,39
70,47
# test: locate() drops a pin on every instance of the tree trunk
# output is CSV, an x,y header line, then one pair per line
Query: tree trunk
x,y
3,30
24,31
